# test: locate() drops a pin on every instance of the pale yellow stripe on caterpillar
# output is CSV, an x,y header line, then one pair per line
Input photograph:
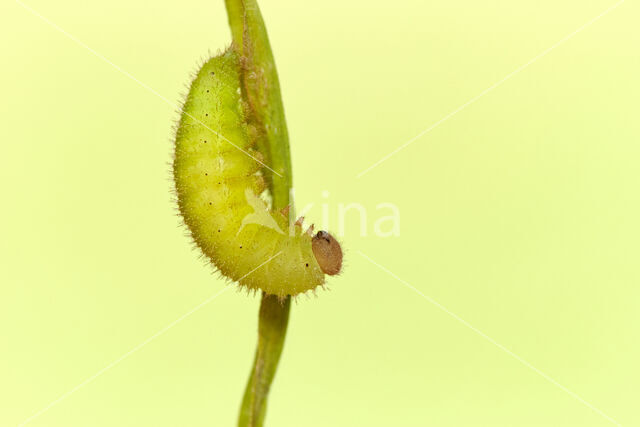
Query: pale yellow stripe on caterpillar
x,y
218,188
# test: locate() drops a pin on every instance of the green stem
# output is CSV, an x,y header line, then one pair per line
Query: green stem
x,y
261,90
272,327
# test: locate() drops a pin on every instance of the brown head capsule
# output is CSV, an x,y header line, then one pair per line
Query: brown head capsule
x,y
328,253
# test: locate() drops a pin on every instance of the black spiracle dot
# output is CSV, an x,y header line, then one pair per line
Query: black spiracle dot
x,y
218,230
240,246
210,203
206,174
306,264
206,114
207,90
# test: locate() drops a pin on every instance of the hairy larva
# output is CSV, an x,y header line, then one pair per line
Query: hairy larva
x,y
218,180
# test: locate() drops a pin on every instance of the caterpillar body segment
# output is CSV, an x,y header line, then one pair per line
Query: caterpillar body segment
x,y
218,180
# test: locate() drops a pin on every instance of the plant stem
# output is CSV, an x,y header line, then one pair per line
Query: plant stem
x,y
272,327
261,90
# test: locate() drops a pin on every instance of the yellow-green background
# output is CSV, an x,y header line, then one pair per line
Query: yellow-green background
x,y
520,214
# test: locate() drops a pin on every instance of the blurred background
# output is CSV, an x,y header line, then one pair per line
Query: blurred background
x,y
519,214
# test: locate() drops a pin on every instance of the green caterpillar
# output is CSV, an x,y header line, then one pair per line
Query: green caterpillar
x,y
219,177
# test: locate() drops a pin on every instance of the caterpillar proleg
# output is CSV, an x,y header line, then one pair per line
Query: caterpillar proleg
x,y
219,177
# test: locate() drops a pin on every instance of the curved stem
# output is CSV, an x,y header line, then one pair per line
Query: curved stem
x,y
261,90
272,327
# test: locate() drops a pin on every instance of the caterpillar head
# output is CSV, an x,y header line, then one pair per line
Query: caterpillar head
x,y
328,253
